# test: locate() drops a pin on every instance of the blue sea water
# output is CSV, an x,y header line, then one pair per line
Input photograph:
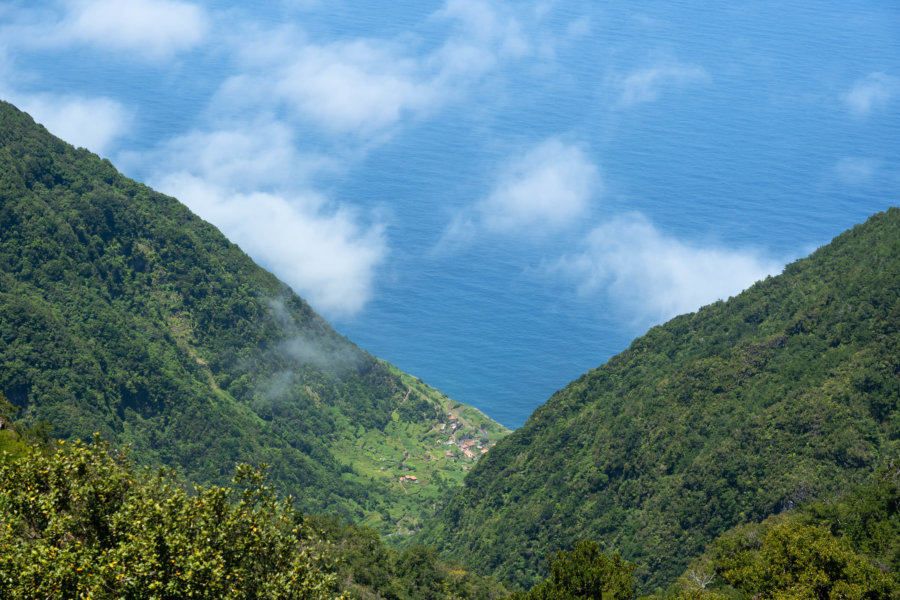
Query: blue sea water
x,y
747,160
756,149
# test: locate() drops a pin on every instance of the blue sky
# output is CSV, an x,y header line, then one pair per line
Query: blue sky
x,y
619,164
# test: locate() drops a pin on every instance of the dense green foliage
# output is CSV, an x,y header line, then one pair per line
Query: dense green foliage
x,y
797,562
15,438
369,570
123,313
80,523
749,407
867,517
584,573
842,547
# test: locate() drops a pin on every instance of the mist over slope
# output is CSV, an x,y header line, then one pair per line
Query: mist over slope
x,y
748,407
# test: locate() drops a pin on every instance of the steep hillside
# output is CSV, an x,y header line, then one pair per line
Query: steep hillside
x,y
123,313
748,407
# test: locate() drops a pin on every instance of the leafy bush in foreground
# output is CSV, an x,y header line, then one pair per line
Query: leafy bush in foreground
x,y
80,523
800,561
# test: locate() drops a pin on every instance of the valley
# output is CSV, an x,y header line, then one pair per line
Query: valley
x,y
674,470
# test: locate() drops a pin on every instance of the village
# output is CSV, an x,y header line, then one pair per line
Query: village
x,y
459,446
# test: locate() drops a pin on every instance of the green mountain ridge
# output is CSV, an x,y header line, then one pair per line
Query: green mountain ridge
x,y
784,393
123,313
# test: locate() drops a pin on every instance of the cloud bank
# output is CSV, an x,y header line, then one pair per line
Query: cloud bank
x,y
855,170
649,276
541,191
646,85
361,86
351,94
92,123
547,188
485,26
654,276
871,93
153,29
328,253
365,87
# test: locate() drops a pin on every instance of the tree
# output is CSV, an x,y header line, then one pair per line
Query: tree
x,y
585,572
802,562
80,523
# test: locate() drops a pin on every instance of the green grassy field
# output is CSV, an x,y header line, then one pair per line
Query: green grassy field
x,y
420,459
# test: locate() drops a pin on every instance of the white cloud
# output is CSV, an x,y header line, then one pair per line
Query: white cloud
x,y
646,85
154,29
256,156
358,86
542,191
325,252
365,87
487,25
325,256
654,277
92,123
547,188
854,170
361,87
870,93
486,34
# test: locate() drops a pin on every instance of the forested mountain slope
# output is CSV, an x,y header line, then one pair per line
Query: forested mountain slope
x,y
123,313
749,407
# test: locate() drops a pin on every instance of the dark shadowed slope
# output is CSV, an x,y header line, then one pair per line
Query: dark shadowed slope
x,y
748,407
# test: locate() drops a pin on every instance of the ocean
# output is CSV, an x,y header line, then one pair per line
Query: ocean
x,y
714,131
